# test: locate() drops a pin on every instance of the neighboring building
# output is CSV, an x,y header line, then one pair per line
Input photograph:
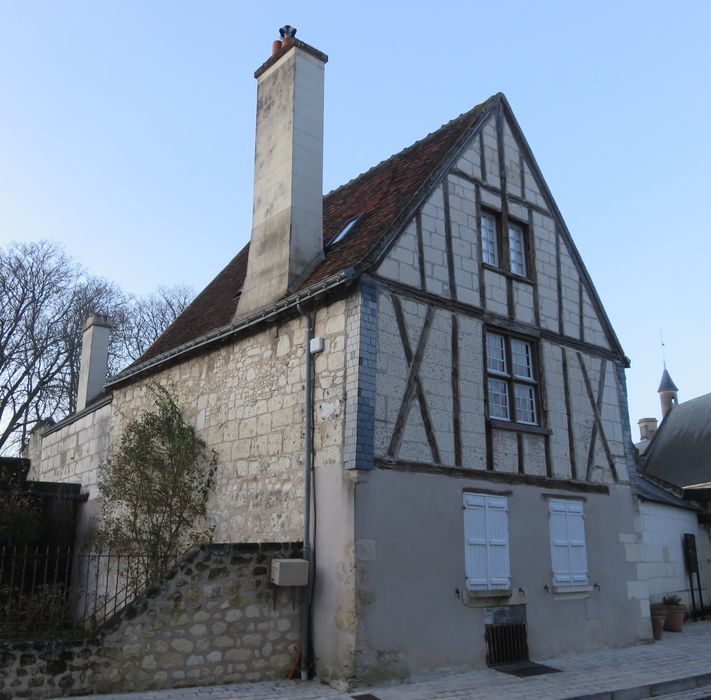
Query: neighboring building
x,y
470,440
674,488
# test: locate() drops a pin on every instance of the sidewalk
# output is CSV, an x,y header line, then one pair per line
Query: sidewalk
x,y
685,658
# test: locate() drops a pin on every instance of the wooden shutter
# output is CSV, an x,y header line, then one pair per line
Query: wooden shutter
x,y
486,532
568,551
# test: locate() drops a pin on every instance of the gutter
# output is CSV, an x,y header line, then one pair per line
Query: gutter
x,y
312,292
308,467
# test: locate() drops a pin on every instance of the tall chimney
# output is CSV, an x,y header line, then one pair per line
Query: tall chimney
x,y
287,219
94,359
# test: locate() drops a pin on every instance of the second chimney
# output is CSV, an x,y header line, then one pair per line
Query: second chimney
x,y
94,362
647,428
287,220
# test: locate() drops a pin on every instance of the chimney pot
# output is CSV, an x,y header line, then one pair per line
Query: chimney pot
x,y
276,46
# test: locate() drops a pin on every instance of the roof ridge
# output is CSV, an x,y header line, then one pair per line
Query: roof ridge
x,y
469,113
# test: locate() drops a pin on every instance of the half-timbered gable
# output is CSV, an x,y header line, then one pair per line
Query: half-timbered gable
x,y
486,261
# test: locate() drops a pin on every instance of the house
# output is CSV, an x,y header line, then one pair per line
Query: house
x,y
414,375
673,484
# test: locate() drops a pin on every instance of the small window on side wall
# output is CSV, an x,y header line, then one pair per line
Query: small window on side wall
x,y
568,551
486,542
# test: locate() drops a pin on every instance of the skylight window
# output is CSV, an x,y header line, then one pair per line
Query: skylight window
x,y
343,232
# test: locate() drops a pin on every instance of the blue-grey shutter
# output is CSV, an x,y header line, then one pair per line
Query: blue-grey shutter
x,y
568,551
486,536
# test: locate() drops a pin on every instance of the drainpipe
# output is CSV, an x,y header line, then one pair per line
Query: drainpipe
x,y
308,466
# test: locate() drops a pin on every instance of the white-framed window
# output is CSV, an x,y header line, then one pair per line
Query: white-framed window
x,y
568,551
511,379
486,542
489,239
517,250
510,257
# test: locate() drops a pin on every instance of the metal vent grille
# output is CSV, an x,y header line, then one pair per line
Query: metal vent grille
x,y
506,643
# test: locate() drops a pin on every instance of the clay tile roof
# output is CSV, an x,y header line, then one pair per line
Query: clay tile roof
x,y
379,197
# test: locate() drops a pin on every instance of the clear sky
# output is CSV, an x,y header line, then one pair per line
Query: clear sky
x,y
127,134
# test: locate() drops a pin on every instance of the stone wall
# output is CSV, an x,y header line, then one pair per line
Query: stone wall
x,y
72,450
215,619
246,400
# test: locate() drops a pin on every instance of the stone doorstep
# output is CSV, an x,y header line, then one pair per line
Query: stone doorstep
x,y
651,690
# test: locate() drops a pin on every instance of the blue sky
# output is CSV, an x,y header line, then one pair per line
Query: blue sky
x,y
127,134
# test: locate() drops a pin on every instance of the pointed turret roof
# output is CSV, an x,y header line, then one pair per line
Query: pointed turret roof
x,y
666,384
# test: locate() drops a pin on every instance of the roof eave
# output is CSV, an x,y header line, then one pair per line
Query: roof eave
x,y
220,334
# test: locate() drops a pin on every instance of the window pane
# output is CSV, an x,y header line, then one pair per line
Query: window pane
x,y
517,258
489,242
498,399
495,355
521,359
525,403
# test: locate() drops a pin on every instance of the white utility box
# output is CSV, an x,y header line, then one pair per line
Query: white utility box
x,y
316,345
290,572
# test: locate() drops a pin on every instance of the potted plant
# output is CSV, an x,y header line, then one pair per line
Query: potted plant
x,y
659,616
675,613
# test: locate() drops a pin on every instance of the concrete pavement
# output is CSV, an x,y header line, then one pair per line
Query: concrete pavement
x,y
678,667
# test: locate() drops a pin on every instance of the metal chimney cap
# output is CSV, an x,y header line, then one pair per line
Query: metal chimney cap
x,y
287,31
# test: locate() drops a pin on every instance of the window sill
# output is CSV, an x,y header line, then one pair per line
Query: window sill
x,y
507,273
518,427
495,593
558,590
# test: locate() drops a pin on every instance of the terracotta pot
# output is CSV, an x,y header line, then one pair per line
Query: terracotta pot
x,y
675,618
658,621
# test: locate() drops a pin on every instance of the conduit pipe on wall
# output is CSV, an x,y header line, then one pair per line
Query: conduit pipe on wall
x,y
308,466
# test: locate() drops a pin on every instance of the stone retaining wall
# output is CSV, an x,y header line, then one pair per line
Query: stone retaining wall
x,y
216,618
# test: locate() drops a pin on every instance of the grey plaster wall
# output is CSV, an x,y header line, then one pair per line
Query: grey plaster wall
x,y
410,561
215,619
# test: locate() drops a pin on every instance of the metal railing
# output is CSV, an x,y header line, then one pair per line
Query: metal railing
x,y
51,592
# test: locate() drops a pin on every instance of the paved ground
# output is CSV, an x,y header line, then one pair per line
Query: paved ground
x,y
682,657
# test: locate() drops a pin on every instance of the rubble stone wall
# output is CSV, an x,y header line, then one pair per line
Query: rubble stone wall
x,y
216,618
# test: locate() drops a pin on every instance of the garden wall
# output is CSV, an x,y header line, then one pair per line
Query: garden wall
x,y
216,618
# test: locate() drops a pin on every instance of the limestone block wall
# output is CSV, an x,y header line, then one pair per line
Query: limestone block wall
x,y
215,619
246,400
71,451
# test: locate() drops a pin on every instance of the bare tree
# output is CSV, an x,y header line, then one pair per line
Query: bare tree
x,y
45,298
37,294
147,317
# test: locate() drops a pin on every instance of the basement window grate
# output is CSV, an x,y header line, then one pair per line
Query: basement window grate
x,y
506,643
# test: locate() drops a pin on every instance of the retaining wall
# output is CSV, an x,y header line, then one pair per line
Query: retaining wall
x,y
216,618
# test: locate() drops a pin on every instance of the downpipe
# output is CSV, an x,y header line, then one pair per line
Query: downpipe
x,y
308,467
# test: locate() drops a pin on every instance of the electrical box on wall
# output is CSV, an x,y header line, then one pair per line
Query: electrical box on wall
x,y
290,572
316,345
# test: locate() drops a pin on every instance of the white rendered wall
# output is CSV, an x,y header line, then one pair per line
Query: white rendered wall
x,y
661,554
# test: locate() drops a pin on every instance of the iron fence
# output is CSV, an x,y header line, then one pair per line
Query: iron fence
x,y
51,592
